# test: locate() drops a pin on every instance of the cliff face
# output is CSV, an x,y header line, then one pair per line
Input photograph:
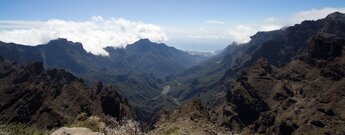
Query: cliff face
x,y
53,98
306,96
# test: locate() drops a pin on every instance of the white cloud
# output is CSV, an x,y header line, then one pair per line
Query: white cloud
x,y
241,33
197,33
214,22
313,14
207,36
98,32
94,34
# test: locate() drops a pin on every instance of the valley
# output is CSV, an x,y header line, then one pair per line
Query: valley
x,y
285,81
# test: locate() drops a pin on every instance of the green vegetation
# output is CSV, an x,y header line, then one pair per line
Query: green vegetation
x,y
19,129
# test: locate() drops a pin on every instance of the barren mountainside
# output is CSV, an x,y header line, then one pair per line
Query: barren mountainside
x,y
306,96
282,82
138,70
279,47
53,98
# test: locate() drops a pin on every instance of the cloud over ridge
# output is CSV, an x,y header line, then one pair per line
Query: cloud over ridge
x,y
95,34
241,33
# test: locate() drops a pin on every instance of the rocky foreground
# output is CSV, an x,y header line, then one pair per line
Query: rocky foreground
x,y
190,119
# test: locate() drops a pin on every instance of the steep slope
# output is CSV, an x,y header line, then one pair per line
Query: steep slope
x,y
154,59
53,98
278,47
141,57
306,96
138,70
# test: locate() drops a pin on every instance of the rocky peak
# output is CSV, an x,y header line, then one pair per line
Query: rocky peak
x,y
262,36
145,45
65,42
59,41
325,46
143,41
142,44
336,15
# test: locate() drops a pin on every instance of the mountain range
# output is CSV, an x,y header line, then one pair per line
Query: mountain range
x,y
138,70
279,47
305,96
286,81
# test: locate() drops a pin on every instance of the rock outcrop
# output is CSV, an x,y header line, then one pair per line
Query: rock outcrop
x,y
192,118
307,96
75,131
53,98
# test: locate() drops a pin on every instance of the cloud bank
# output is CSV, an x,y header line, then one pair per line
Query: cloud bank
x,y
241,33
95,34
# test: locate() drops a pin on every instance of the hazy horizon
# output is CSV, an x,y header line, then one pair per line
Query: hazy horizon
x,y
186,25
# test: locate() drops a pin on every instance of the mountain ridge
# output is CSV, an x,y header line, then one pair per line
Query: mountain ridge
x,y
304,96
279,47
139,70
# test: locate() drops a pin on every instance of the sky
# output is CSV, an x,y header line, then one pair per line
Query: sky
x,y
199,25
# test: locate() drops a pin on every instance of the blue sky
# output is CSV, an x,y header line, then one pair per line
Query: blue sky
x,y
177,18
165,12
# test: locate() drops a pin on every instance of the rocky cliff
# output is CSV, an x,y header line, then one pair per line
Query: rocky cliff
x,y
53,98
306,96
